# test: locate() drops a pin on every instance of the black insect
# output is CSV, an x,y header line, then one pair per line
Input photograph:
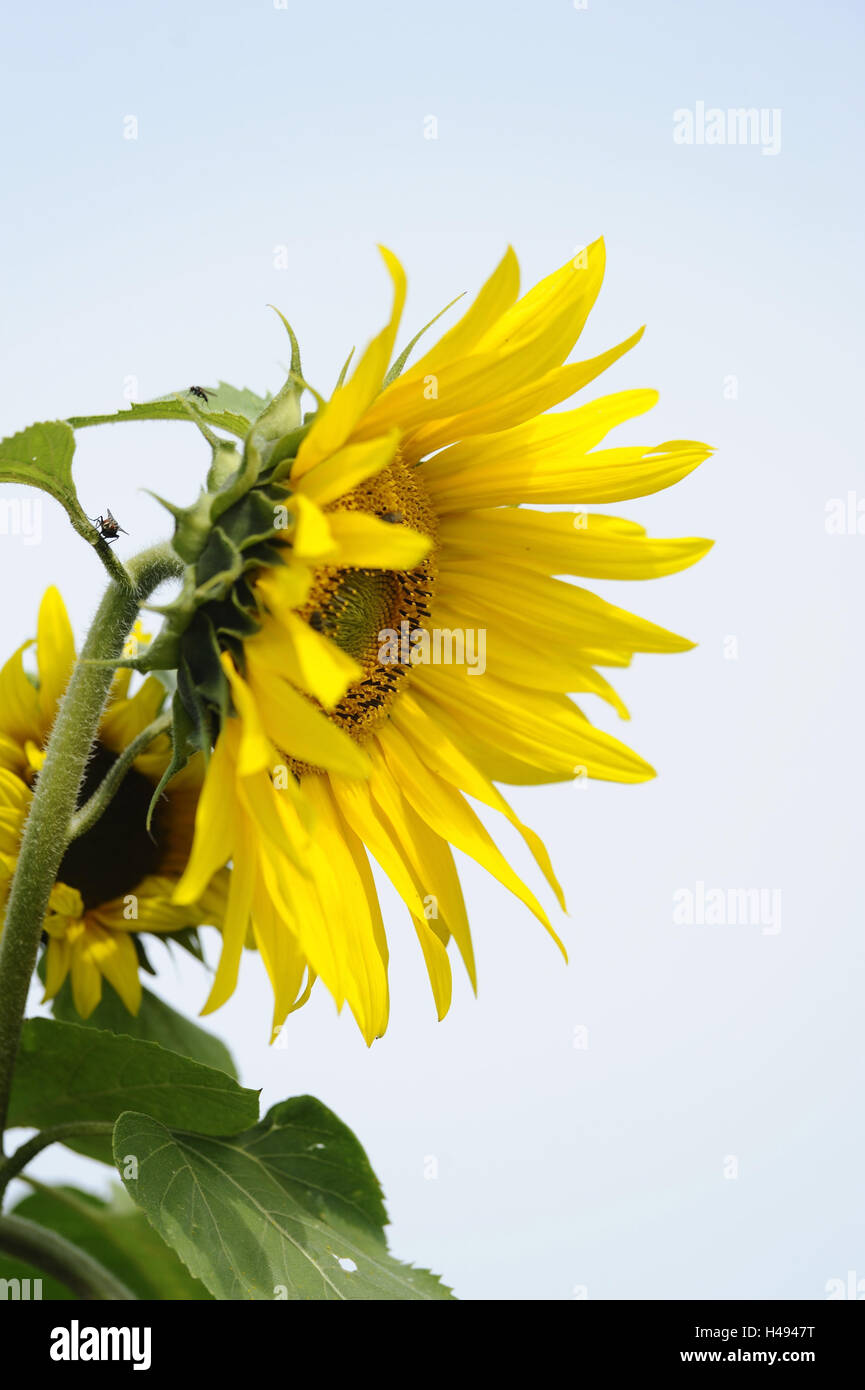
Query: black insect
x,y
107,526
200,392
395,518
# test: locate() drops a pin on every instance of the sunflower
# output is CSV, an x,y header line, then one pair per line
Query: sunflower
x,y
115,879
342,737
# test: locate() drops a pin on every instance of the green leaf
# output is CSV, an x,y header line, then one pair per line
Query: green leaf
x,y
290,1209
69,1072
155,1022
117,1234
240,400
168,408
41,456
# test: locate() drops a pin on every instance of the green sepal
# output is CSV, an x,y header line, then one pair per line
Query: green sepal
x,y
250,520
184,734
344,372
244,477
190,697
400,362
220,564
143,958
281,456
192,525
201,657
188,939
234,618
224,464
263,553
283,412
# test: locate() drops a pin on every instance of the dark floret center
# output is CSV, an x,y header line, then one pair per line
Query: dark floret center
x,y
114,855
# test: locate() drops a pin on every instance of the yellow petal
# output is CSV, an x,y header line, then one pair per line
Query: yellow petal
x,y
65,901
431,863
437,964
215,826
527,342
297,728
234,927
364,974
515,655
567,294
333,426
283,960
537,604
546,731
495,297
307,658
580,543
441,756
516,458
114,955
284,586
20,714
255,750
523,404
345,469
86,978
357,806
442,807
605,475
366,542
58,957
312,539
55,652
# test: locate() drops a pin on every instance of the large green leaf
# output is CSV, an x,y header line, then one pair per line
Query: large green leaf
x,y
68,1072
290,1209
155,1022
227,408
117,1234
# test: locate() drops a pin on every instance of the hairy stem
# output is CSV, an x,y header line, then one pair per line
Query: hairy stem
x,y
100,800
55,1255
46,833
56,1134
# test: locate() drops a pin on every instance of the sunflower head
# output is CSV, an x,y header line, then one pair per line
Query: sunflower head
x,y
117,878
442,502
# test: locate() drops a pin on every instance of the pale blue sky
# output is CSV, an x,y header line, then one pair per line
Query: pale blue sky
x,y
153,259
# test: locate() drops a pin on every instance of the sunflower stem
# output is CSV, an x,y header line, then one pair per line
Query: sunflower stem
x,y
55,1255
46,833
56,1134
113,565
99,802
